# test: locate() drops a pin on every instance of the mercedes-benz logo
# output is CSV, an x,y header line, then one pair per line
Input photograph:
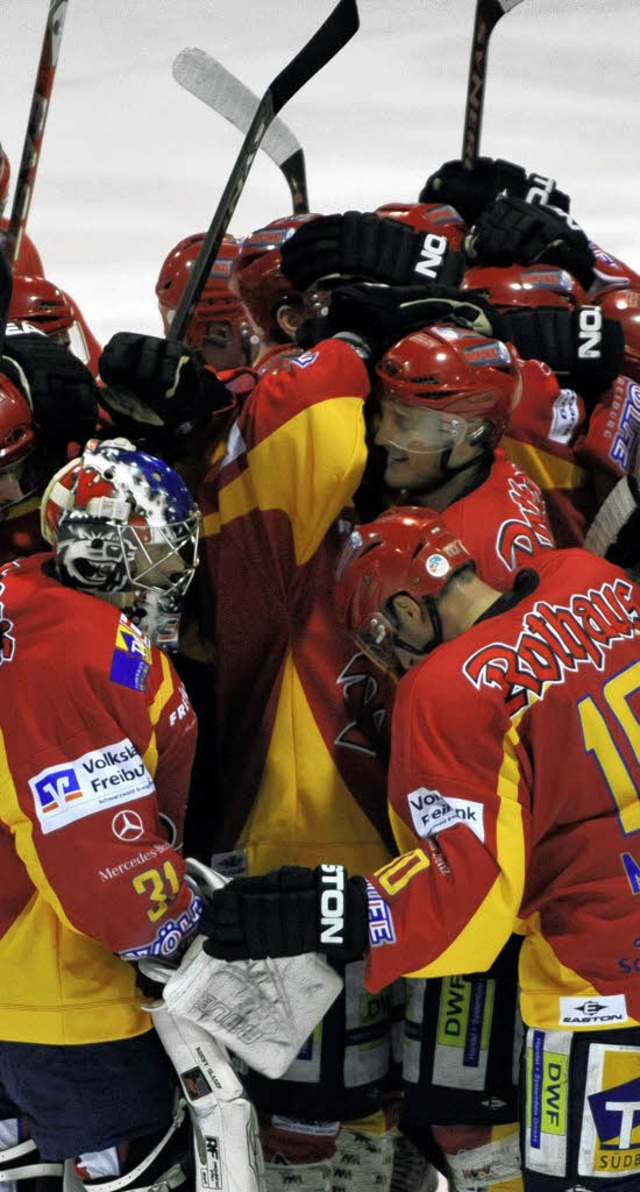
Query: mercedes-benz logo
x,y
127,825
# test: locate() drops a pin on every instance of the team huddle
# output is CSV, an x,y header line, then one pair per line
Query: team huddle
x,y
334,596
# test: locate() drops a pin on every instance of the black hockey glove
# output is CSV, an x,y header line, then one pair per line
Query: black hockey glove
x,y
158,384
337,248
583,347
287,912
511,230
63,393
470,191
373,317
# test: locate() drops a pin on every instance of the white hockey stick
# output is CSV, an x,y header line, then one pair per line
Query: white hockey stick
x,y
206,78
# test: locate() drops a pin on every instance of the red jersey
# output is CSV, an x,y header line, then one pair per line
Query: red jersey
x,y
503,523
96,745
514,781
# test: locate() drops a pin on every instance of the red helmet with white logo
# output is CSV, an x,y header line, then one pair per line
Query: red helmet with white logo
x,y
38,301
624,305
438,218
218,303
406,550
18,479
456,371
525,285
258,276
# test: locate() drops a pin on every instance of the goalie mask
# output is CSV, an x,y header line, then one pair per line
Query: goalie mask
x,y
406,552
123,526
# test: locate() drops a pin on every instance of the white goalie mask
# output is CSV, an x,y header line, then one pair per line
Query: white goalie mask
x,y
123,526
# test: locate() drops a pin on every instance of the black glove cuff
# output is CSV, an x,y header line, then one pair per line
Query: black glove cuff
x,y
343,913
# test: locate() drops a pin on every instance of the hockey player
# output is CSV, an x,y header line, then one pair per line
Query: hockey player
x,y
494,832
270,541
276,306
48,406
221,329
301,731
97,739
37,302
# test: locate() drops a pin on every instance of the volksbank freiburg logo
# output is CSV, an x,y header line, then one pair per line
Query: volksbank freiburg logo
x,y
85,785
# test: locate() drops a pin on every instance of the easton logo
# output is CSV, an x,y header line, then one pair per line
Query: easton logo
x,y
590,333
432,255
555,640
332,904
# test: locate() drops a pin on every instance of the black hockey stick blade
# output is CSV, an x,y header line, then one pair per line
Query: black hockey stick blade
x,y
488,13
203,76
339,27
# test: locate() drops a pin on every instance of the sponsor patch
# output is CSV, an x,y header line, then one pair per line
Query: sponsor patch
x,y
548,1092
463,1033
381,928
131,660
565,417
596,1011
432,813
93,782
610,1134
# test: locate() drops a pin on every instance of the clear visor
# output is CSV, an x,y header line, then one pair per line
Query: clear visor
x,y
162,557
418,431
377,639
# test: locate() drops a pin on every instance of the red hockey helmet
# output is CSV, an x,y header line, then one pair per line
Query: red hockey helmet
x,y
17,443
624,305
453,371
258,276
525,285
405,550
437,218
5,178
38,301
218,303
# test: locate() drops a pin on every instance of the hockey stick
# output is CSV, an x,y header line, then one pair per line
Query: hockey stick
x,y
210,81
488,13
339,27
35,127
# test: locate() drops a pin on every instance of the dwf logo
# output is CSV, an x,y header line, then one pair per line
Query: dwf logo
x,y
57,788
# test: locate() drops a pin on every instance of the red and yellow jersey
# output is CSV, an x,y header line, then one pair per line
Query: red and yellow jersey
x,y
96,746
514,792
503,523
302,739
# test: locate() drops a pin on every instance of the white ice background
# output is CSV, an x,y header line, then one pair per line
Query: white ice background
x,y
131,163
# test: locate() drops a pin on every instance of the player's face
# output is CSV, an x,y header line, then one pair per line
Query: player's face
x,y
415,439
414,631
